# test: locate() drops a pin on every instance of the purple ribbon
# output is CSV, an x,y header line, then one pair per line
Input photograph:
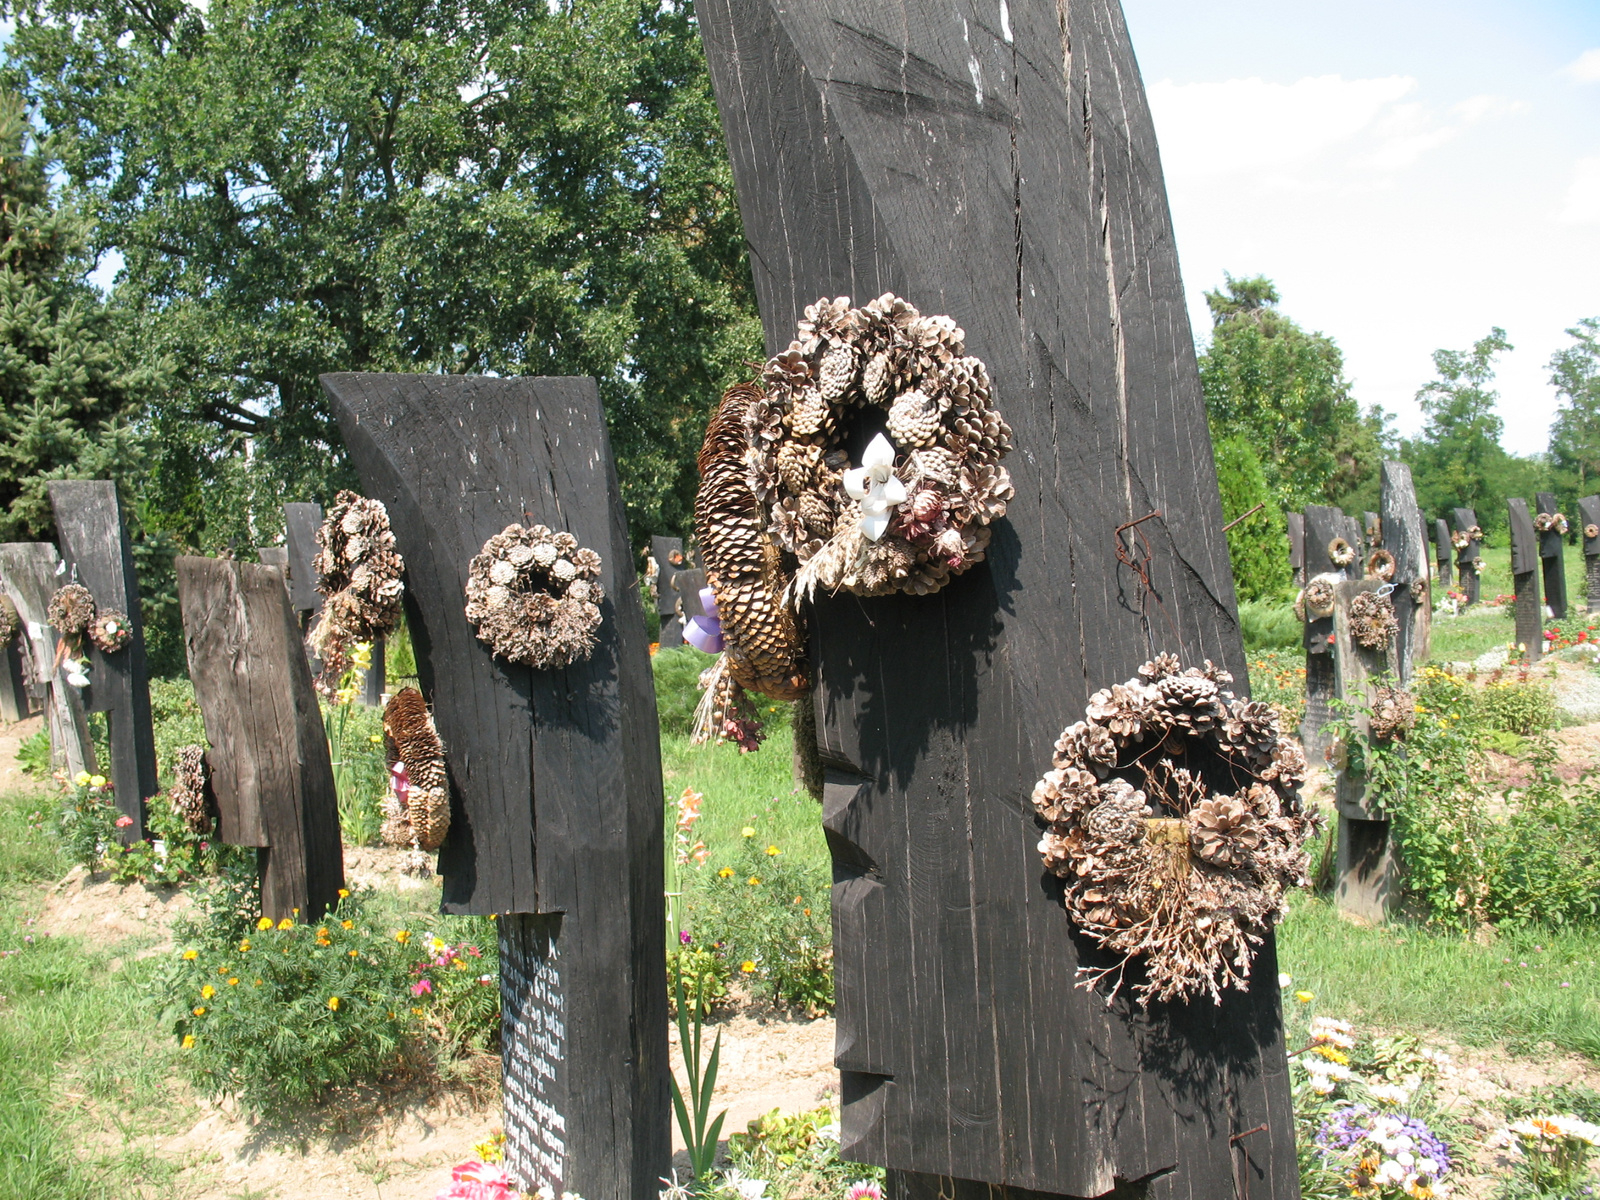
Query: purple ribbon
x,y
705,633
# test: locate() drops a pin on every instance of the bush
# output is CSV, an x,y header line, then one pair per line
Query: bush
x,y
177,720
33,755
1258,545
1520,708
456,989
1270,625
170,854
702,973
360,771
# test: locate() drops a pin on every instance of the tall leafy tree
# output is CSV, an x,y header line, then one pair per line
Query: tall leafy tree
x,y
407,185
1258,545
1283,391
1575,436
69,380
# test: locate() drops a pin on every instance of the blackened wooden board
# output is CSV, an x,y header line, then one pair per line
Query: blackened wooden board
x,y
1467,557
556,795
1525,579
997,163
1554,569
1323,524
1589,514
95,546
1406,537
300,525
1441,551
1367,869
663,550
28,573
269,766
1297,547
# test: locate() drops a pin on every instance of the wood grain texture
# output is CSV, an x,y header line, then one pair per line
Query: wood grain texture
x,y
16,702
999,165
1552,549
300,525
28,575
555,776
1465,519
268,763
1367,871
95,546
1525,579
1406,537
1323,524
1589,514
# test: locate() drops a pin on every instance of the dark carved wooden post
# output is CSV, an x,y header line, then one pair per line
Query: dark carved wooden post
x,y
1297,548
1406,537
1552,551
269,763
1468,556
28,575
1324,527
275,556
1441,552
1001,167
95,546
1368,871
555,776
1525,579
1589,515
668,553
300,525
16,702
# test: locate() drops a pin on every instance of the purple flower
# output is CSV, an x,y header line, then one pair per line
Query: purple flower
x,y
1349,1125
684,937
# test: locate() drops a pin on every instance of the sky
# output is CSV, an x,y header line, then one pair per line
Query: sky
x,y
1410,173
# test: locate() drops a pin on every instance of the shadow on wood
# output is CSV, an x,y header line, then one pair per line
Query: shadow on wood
x,y
28,575
269,764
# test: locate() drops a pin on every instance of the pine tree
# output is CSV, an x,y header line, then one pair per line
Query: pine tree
x,y
68,380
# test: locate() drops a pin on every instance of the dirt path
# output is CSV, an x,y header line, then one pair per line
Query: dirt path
x,y
12,735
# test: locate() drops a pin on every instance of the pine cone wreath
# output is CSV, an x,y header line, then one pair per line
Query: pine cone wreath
x,y
1172,811
10,620
417,808
187,796
534,597
918,509
1394,714
1381,565
110,632
71,610
1341,553
1591,531
1318,598
359,572
1460,540
1373,623
1551,523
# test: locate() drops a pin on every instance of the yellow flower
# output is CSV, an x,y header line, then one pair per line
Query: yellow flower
x,y
200,1011
461,964
754,880
233,981
747,967
1304,997
436,944
725,873
773,852
190,955
333,1003
375,738
207,992
1331,1054
188,1041
81,778
348,924
244,946
295,911
98,781
264,924
402,936
352,954
257,983
286,924
748,831
416,1012
344,893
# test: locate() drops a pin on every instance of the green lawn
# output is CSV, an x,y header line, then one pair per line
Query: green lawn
x,y
1460,639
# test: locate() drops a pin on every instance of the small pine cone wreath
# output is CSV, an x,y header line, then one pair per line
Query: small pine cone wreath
x,y
534,597
417,808
187,796
10,620
1373,623
1394,713
1460,539
1591,531
1341,553
1551,523
71,610
1381,565
1173,814
918,509
110,632
1419,591
1318,599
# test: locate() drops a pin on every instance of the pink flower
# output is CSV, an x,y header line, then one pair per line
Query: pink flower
x,y
684,937
478,1181
124,821
420,986
864,1189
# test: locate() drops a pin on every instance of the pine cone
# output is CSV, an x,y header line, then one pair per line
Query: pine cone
x,y
837,373
1394,713
71,610
410,738
10,620
187,796
1224,832
914,420
1159,667
1373,623
1189,703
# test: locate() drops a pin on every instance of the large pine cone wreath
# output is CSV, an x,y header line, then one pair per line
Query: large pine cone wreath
x,y
1174,816
359,571
1394,714
917,509
417,808
534,597
71,610
1373,623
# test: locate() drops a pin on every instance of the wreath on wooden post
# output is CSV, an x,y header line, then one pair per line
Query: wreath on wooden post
x,y
1341,553
1373,623
1394,713
110,631
534,597
416,809
187,795
1315,600
10,620
1174,817
1551,523
71,610
1591,531
359,571
1419,591
1381,565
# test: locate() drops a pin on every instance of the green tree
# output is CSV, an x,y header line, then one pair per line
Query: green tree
x,y
1258,545
1575,435
1283,390
407,185
68,379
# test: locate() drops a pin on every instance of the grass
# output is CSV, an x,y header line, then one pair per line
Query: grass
x,y
1463,638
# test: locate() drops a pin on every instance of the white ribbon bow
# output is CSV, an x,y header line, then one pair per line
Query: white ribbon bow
x,y
873,483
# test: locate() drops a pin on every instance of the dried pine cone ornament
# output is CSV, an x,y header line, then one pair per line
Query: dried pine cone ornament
x,y
1394,713
1318,598
534,597
1551,523
359,572
187,796
1373,623
1460,539
416,810
918,508
1381,565
110,632
71,610
1591,531
1173,813
1419,591
10,620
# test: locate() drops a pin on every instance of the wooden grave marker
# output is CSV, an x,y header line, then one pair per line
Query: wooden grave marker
x,y
1372,530
1323,526
669,558
300,524
555,776
16,700
1442,552
1297,548
1589,517
1000,167
95,546
1406,537
1468,556
269,764
275,556
1525,580
1552,551
29,575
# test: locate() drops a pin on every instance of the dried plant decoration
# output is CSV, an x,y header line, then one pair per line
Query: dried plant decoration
x,y
1551,523
1394,713
1419,591
1591,531
1475,566
534,597
1174,816
1340,552
71,610
1373,623
917,509
1381,565
416,810
359,571
10,620
187,796
110,632
1460,539
1317,598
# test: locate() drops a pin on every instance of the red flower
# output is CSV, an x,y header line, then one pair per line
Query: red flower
x,y
124,821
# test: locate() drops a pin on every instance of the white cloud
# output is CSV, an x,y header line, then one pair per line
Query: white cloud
x,y
1582,205
1585,68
